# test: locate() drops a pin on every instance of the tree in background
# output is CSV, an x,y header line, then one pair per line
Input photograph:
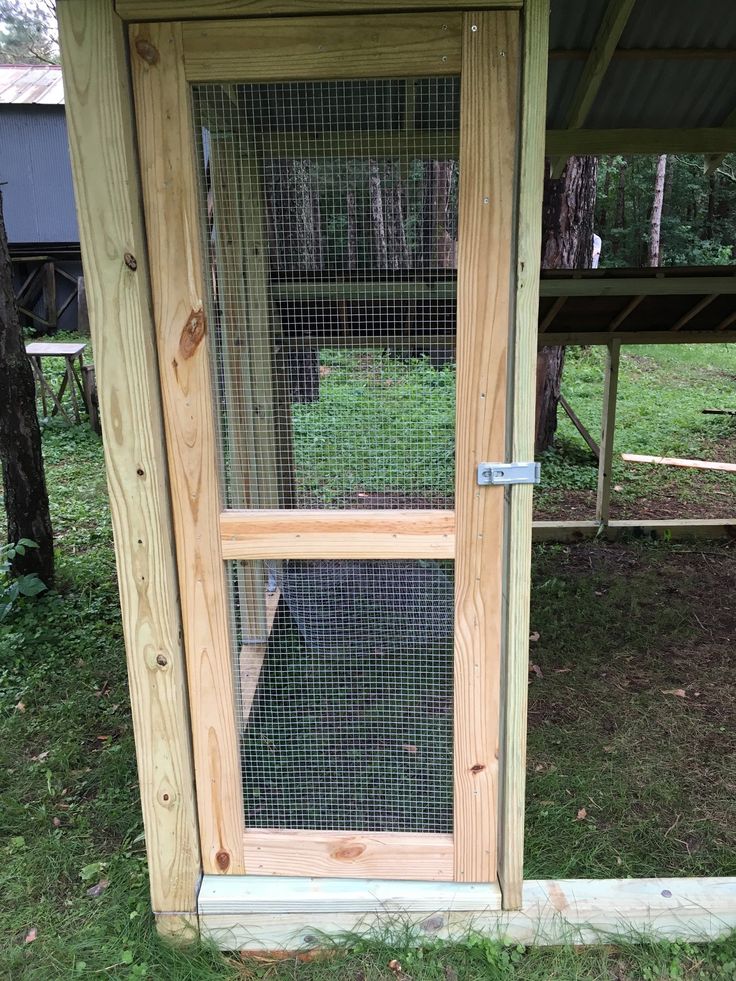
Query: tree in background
x,y
698,217
28,33
567,243
24,484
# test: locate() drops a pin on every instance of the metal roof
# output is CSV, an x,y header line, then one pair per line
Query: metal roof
x,y
31,85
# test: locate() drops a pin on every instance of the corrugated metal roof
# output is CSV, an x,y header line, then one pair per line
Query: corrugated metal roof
x,y
31,85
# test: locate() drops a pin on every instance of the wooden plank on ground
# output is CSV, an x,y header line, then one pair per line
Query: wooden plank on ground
x,y
322,47
563,911
488,109
172,221
341,854
672,461
323,534
515,680
106,183
663,529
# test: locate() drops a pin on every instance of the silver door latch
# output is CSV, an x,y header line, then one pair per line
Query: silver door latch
x,y
508,473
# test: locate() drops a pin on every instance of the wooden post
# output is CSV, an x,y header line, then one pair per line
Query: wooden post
x,y
488,107
101,138
608,429
514,679
82,311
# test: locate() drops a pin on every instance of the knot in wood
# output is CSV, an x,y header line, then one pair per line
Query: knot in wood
x,y
192,334
477,768
223,860
161,661
348,852
147,51
130,261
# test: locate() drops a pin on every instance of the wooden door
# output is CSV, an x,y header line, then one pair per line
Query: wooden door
x,y
284,319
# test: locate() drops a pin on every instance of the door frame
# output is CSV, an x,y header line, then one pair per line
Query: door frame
x,y
484,48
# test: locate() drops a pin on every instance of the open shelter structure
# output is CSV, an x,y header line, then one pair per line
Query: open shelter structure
x,y
328,653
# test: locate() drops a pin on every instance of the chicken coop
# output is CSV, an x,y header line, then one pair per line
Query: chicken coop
x,y
311,235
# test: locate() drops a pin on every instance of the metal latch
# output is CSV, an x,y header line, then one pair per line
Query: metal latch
x,y
508,473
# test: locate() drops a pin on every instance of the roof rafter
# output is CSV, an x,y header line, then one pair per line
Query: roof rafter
x,y
614,20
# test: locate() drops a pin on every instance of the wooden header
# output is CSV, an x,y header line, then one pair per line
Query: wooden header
x,y
282,50
141,10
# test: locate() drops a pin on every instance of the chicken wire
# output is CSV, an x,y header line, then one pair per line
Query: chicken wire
x,y
329,219
350,727
329,211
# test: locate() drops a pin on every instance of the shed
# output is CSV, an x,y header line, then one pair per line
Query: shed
x,y
38,196
328,651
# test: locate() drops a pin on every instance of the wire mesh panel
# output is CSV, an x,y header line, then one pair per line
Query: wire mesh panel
x,y
331,217
346,707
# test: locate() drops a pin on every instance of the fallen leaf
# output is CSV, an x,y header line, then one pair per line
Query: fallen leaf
x,y
536,669
95,891
56,822
618,487
534,637
409,748
30,936
41,757
562,670
395,966
582,814
538,768
679,692
20,707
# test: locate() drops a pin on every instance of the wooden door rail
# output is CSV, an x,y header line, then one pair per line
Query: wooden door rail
x,y
314,534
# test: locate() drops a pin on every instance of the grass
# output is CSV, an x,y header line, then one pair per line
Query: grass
x,y
628,626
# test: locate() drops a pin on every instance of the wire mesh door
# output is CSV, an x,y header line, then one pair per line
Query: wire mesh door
x,y
354,261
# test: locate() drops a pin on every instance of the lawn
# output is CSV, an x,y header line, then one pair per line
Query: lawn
x,y
632,768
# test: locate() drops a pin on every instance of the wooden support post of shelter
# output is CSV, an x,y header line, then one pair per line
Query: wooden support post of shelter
x,y
608,432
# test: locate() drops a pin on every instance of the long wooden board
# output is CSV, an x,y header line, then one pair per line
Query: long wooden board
x,y
314,534
488,108
106,182
203,9
322,47
166,147
673,461
340,854
242,913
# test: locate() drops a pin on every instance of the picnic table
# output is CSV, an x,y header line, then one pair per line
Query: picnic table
x,y
73,357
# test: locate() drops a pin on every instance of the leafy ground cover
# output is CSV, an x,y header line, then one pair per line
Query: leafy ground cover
x,y
631,754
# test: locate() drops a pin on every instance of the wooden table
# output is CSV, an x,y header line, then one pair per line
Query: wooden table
x,y
72,355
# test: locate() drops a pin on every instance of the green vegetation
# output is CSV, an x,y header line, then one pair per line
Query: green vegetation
x,y
629,628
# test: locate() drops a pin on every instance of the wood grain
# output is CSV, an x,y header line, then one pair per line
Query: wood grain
x,y
166,147
344,854
608,433
515,679
107,188
322,47
314,534
141,10
486,213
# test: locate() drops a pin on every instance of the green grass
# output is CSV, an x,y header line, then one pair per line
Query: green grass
x,y
618,627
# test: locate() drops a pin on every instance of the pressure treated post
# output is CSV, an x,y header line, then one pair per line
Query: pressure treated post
x,y
100,125
608,430
515,667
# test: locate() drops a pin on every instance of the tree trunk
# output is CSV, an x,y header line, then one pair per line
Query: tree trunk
x,y
26,500
567,243
655,222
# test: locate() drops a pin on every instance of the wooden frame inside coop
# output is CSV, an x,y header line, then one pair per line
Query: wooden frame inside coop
x,y
187,542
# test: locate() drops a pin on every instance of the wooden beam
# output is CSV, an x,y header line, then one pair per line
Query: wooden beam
x,y
727,321
608,431
322,47
572,338
674,461
648,54
628,309
714,161
571,415
488,108
694,311
107,187
248,912
172,218
638,286
566,142
616,14
515,677
665,529
325,534
142,10
552,313
346,854
251,657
